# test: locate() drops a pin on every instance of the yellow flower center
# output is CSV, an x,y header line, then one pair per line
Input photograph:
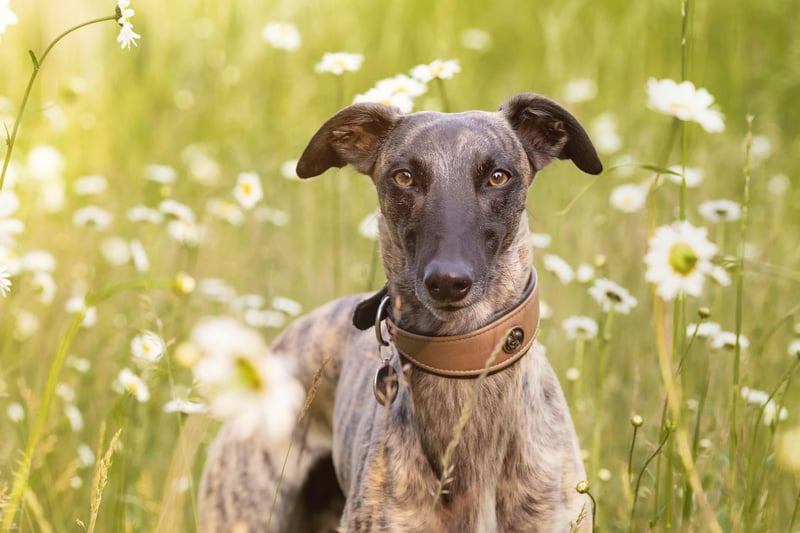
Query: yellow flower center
x,y
682,258
247,375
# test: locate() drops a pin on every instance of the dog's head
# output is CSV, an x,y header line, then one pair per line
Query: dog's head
x,y
452,189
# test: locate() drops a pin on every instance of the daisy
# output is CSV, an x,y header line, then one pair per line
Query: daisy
x,y
402,101
184,283
476,39
685,102
15,412
368,227
127,36
579,326
559,267
90,185
245,384
693,176
5,281
248,190
225,211
337,63
163,174
540,240
186,233
282,35
7,17
778,184
44,286
720,210
584,273
45,162
187,407
289,169
129,383
679,259
580,90
402,84
176,209
286,305
272,215
217,290
264,318
727,340
9,203
628,198
141,213
92,216
437,69
604,131
77,304
794,348
703,330
147,347
39,261
611,295
140,261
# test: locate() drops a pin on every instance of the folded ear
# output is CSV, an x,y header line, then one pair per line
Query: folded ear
x,y
547,130
354,135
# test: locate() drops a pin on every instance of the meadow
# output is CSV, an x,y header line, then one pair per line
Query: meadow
x,y
151,188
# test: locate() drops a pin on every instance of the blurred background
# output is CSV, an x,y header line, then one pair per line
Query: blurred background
x,y
204,97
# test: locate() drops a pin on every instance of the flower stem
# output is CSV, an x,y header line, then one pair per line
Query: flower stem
x,y
37,64
605,341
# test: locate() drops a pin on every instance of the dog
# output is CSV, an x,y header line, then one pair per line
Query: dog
x,y
388,445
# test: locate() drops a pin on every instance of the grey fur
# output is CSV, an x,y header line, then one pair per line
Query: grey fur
x,y
518,461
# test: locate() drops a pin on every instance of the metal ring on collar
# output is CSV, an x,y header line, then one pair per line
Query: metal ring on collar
x,y
381,307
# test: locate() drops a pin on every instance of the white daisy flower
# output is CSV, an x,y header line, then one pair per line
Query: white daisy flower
x,y
39,261
129,383
282,35
703,330
141,213
540,240
286,305
225,211
44,286
476,39
611,295
217,290
243,382
9,203
77,304
337,63
65,392
163,174
289,169
545,310
443,70
92,216
559,267
727,340
127,36
202,167
580,90
79,364
5,281
584,273
760,148
7,17
85,455
176,209
679,259
580,326
186,233
684,101
90,185
248,191
45,162
184,283
402,84
187,407
74,417
720,210
247,301
263,318
605,135
140,261
27,324
572,374
15,412
272,215
778,184
629,197
693,176
147,347
368,227
794,348
401,101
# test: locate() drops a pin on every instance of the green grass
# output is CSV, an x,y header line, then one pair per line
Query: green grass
x,y
202,75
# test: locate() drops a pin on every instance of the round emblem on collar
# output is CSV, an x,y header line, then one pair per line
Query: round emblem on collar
x,y
514,340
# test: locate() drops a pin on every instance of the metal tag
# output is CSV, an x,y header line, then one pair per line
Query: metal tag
x,y
385,384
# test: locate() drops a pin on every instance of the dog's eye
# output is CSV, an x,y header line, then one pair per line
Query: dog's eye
x,y
403,178
498,178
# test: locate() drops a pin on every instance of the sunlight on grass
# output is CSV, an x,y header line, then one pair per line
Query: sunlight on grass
x,y
169,164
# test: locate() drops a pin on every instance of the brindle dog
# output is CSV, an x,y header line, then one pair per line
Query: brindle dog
x,y
454,242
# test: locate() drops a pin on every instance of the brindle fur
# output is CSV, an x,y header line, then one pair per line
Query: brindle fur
x,y
518,460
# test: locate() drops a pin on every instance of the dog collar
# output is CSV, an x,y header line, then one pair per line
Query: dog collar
x,y
506,339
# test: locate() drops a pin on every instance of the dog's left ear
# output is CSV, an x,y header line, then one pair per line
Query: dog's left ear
x,y
547,130
354,135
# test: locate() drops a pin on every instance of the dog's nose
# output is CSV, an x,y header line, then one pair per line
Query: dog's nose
x,y
447,282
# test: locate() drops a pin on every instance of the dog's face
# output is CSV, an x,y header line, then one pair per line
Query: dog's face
x,y
452,187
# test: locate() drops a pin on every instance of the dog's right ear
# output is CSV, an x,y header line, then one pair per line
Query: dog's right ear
x,y
354,135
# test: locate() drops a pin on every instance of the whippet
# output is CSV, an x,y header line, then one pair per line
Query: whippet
x,y
461,310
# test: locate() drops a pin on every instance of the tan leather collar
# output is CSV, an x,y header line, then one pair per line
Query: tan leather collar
x,y
508,338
